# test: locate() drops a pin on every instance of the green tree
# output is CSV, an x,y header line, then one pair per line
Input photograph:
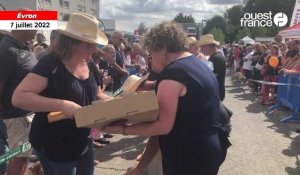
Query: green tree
x,y
215,22
230,32
218,34
142,28
259,32
234,14
243,32
180,18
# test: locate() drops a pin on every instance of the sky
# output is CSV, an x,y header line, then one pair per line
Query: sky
x,y
130,13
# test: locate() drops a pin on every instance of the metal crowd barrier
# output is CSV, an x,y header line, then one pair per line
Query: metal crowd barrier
x,y
288,95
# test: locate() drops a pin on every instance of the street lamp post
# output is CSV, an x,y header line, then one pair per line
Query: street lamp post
x,y
202,25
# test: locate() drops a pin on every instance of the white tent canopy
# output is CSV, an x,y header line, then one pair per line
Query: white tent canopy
x,y
248,40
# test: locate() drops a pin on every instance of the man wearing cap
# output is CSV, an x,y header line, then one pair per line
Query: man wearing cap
x,y
16,61
209,47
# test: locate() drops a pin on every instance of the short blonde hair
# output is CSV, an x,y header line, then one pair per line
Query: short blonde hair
x,y
166,35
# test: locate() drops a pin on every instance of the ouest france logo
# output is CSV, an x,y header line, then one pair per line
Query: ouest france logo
x,y
263,19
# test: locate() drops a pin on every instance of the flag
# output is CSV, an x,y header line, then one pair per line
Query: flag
x,y
296,14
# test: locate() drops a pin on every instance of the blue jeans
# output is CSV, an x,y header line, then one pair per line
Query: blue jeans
x,y
83,166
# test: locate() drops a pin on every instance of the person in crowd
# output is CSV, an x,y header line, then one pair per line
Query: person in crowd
x,y
256,72
270,73
100,138
230,58
97,59
278,40
295,67
127,59
140,59
110,68
209,47
40,38
53,43
16,61
3,130
37,50
283,49
117,38
241,57
294,49
258,67
236,54
65,80
189,145
247,63
30,45
192,46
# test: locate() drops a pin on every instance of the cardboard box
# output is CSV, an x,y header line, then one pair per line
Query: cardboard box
x,y
136,107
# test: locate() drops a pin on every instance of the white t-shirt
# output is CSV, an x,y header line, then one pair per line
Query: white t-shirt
x,y
248,61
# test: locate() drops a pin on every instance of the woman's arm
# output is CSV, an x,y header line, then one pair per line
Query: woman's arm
x,y
121,70
149,153
147,86
26,96
167,97
101,95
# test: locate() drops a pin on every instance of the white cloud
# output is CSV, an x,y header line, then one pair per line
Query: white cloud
x,y
130,13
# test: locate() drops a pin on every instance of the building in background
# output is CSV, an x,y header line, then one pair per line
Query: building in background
x,y
64,7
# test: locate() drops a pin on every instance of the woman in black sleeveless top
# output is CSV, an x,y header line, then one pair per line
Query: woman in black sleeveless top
x,y
64,80
187,91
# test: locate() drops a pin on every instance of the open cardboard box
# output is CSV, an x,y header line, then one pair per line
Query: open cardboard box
x,y
135,107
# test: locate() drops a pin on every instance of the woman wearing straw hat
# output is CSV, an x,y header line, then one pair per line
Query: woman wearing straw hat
x,y
64,81
187,92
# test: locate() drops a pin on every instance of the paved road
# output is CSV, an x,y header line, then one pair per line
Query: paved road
x,y
262,145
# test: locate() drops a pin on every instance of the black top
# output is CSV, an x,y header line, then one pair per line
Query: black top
x,y
219,63
254,62
192,146
262,58
111,71
16,61
62,141
119,57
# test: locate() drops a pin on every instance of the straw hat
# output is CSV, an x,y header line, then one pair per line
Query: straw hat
x,y
207,39
84,27
132,83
